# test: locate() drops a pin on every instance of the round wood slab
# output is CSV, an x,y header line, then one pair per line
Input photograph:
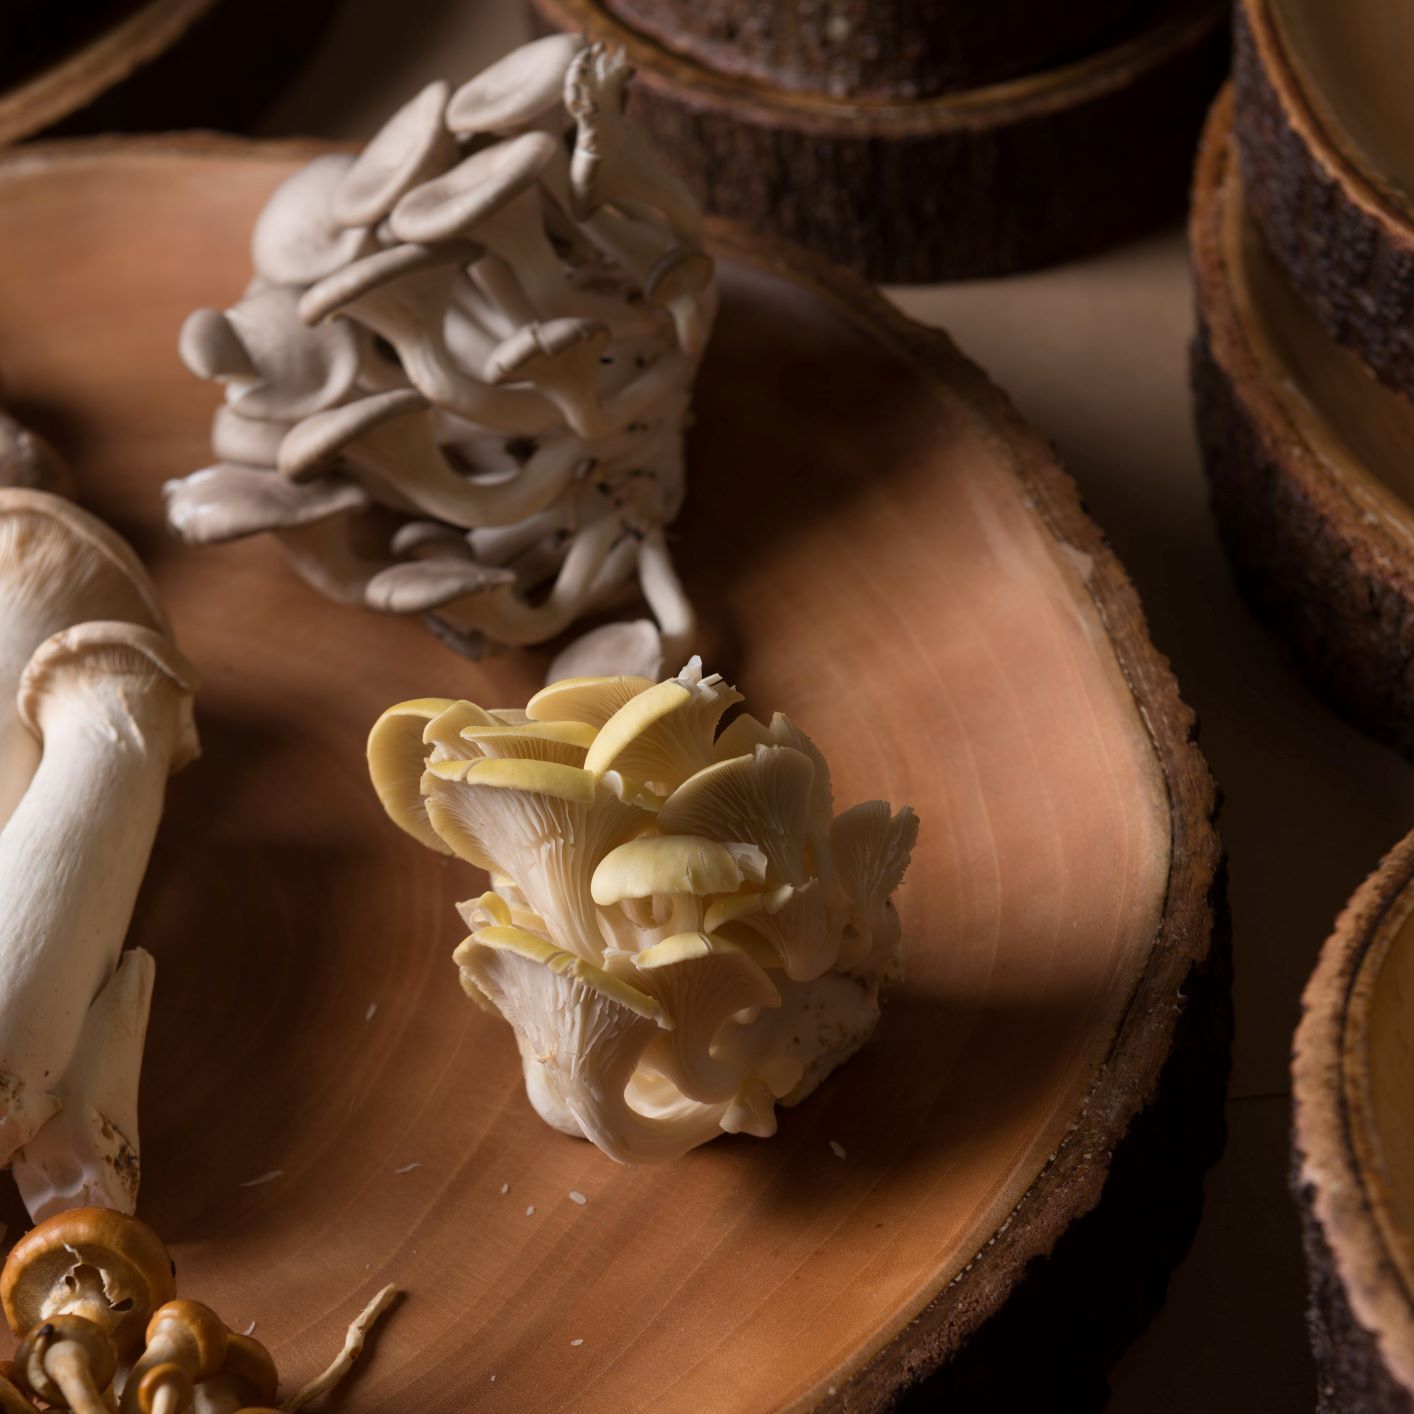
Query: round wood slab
x,y
163,63
1310,461
1353,1132
881,547
980,181
1323,117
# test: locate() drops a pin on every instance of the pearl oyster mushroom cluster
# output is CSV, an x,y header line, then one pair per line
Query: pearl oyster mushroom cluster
x,y
681,931
458,383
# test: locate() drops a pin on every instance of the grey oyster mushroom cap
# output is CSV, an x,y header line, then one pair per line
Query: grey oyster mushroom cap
x,y
515,92
297,238
411,146
458,382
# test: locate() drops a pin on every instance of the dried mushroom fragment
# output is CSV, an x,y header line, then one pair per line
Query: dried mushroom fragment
x,y
680,932
469,352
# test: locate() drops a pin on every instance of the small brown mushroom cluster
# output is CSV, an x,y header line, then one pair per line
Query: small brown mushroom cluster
x,y
91,1294
458,383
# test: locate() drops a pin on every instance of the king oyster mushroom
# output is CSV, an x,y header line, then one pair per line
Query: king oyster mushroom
x,y
478,323
676,943
111,705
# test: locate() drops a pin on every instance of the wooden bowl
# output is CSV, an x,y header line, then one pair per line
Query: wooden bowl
x,y
1323,114
1310,461
980,181
163,63
1353,1170
879,545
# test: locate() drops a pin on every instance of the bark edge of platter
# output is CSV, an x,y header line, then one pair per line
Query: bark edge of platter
x,y
1347,1175
135,65
1344,240
1320,550
950,185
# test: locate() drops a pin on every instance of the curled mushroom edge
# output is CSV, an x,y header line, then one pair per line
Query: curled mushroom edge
x,y
681,931
495,313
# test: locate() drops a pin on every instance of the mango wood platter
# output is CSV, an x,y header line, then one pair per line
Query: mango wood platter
x,y
878,545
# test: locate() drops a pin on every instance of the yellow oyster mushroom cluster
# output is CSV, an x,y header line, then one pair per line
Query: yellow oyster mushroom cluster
x,y
681,932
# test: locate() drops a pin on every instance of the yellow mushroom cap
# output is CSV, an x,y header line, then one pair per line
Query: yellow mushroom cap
x,y
674,864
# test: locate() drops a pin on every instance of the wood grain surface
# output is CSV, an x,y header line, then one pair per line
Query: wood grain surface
x,y
882,549
1353,1089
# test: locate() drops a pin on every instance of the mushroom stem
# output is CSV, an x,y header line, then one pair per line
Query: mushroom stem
x,y
506,617
67,1364
87,1154
111,704
663,590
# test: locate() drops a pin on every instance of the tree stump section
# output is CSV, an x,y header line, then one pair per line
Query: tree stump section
x,y
935,608
1310,462
878,49
981,181
1324,116
1353,1138
134,64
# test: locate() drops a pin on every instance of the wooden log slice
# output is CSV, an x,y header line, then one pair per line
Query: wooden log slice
x,y
898,49
1325,127
132,64
1353,1138
877,543
982,182
1310,461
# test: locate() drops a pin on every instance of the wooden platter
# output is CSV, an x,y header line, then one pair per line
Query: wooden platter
x,y
877,543
1323,119
161,63
1353,1172
1308,460
981,181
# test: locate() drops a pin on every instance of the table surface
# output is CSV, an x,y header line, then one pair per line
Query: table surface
x,y
1095,353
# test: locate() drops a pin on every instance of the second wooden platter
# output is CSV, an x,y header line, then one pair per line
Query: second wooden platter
x,y
1353,1132
1310,460
881,547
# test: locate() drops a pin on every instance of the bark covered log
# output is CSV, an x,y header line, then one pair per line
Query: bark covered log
x,y
1344,245
1337,581
1361,1316
897,49
1007,178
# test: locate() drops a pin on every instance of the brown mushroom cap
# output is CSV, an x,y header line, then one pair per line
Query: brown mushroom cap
x,y
454,204
250,1364
93,1262
38,1376
191,1328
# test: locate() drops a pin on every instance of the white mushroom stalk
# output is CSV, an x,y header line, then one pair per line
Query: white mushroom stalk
x,y
95,712
488,323
680,932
